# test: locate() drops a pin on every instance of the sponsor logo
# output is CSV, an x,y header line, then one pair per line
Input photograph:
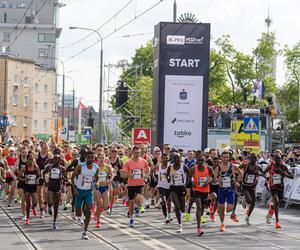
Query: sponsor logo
x,y
176,40
183,95
175,121
182,133
182,40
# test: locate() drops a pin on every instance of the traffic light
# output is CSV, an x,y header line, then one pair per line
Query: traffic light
x,y
121,93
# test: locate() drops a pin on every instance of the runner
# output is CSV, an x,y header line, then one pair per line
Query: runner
x,y
86,174
249,182
11,178
30,174
176,175
56,173
41,158
135,170
105,175
189,161
22,161
202,176
214,189
226,173
164,187
3,167
117,165
277,171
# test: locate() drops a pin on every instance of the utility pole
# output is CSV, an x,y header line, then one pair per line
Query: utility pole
x,y
174,11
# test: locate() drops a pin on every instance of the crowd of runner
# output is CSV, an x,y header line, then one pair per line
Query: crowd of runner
x,y
89,180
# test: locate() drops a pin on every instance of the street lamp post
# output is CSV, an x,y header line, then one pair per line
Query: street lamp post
x,y
100,80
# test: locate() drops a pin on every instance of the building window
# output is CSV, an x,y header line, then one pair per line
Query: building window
x,y
26,82
45,124
45,88
6,37
25,121
36,106
46,38
15,100
45,106
35,124
42,53
16,80
26,101
36,87
14,123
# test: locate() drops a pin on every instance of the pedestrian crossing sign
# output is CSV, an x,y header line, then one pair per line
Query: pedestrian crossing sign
x,y
251,125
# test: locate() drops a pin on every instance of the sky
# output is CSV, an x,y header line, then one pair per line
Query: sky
x,y
243,20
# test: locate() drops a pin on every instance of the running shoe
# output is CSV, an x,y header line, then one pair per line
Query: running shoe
x,y
84,236
50,210
131,222
8,205
27,221
200,231
271,210
179,228
234,217
98,224
24,218
147,206
136,211
202,220
222,228
247,220
167,220
278,225
268,219
142,209
55,227
187,217
170,217
81,221
109,211
34,211
42,214
212,218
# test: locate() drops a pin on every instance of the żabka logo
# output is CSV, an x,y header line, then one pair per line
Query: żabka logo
x,y
181,133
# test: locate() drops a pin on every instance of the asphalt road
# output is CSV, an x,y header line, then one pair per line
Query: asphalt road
x,y
149,232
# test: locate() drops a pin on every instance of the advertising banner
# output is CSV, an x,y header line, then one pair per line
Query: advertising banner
x,y
180,85
241,140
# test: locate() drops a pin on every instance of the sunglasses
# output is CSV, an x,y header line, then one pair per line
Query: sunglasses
x,y
114,151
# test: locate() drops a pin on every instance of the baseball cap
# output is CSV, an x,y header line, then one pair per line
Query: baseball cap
x,y
206,150
156,149
11,149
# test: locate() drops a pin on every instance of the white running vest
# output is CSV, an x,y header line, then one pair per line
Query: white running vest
x,y
85,180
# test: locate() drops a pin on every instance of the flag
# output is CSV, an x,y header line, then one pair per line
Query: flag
x,y
80,107
258,89
261,90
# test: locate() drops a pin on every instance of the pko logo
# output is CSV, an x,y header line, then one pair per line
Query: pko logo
x,y
181,133
176,40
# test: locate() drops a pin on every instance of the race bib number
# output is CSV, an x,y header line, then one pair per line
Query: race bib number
x,y
250,179
162,177
31,178
202,181
87,182
276,179
55,173
226,182
177,180
102,176
137,174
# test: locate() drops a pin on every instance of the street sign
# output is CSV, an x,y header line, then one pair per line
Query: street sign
x,y
141,135
251,125
87,132
64,133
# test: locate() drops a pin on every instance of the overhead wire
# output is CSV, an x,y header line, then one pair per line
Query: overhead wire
x,y
20,20
26,25
91,33
116,30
